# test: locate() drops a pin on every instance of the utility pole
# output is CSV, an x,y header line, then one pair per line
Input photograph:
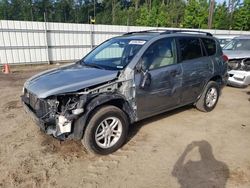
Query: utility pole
x,y
94,9
230,11
113,11
211,13
46,37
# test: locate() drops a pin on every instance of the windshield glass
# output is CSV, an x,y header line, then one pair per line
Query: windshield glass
x,y
238,44
114,54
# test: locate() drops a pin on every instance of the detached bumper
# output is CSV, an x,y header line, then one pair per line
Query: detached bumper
x,y
239,78
236,83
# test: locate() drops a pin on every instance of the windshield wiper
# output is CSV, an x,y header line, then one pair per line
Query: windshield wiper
x,y
93,65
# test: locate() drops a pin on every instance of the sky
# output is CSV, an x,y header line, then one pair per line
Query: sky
x,y
221,1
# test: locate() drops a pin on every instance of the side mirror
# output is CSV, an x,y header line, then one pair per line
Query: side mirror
x,y
138,66
145,80
141,67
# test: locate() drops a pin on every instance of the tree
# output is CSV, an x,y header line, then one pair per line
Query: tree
x,y
4,10
241,17
221,17
143,18
160,13
196,14
175,10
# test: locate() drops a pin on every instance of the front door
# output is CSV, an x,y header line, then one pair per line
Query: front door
x,y
162,91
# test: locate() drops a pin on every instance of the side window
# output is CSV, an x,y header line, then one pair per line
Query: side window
x,y
160,54
210,46
190,48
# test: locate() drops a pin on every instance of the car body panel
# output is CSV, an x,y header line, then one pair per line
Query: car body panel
x,y
196,73
163,92
236,54
67,79
171,86
239,78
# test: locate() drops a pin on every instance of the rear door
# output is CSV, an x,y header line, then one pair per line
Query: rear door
x,y
197,68
214,52
163,91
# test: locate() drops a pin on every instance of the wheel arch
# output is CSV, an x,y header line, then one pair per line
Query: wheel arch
x,y
216,78
97,102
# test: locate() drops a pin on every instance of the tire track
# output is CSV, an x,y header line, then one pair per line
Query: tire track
x,y
98,170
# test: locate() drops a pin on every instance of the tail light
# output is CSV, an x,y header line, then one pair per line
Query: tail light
x,y
225,58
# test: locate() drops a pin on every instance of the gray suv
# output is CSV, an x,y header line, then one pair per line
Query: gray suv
x,y
124,80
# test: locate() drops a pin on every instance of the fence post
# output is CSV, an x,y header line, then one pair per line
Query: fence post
x,y
92,35
9,38
46,38
4,45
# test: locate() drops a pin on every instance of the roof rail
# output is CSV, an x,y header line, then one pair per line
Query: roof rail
x,y
166,31
186,31
146,31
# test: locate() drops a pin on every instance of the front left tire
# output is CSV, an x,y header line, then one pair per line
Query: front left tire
x,y
106,131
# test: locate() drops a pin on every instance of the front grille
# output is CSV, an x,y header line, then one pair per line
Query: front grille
x,y
38,106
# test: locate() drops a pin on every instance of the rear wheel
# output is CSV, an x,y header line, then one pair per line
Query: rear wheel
x,y
106,131
209,97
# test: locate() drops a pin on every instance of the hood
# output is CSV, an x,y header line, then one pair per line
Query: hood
x,y
237,54
67,79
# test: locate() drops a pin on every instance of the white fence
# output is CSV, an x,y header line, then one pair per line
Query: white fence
x,y
23,42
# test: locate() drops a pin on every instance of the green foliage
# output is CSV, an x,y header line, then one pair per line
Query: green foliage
x,y
196,14
242,17
221,17
157,13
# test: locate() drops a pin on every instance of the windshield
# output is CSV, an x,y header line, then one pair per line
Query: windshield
x,y
224,41
238,44
114,54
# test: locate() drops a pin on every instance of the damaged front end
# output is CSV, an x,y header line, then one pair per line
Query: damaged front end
x,y
57,115
239,64
239,72
54,115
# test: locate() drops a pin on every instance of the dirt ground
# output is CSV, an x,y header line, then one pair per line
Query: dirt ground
x,y
181,148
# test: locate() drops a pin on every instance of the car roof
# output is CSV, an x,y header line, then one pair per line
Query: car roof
x,y
149,34
138,37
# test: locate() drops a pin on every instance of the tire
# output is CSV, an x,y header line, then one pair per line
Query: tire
x,y
203,103
106,122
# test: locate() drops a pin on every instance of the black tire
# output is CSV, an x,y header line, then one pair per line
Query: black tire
x,y
96,119
201,103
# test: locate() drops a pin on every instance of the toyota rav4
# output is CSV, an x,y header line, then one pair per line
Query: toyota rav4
x,y
124,80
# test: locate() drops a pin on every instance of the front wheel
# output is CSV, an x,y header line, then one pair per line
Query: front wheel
x,y
209,97
106,131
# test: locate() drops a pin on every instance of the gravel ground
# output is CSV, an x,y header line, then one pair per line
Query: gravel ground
x,y
181,148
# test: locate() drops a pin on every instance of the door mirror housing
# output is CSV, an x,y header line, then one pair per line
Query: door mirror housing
x,y
138,66
145,80
141,66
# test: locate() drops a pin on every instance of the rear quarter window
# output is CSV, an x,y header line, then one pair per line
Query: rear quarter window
x,y
190,48
210,46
